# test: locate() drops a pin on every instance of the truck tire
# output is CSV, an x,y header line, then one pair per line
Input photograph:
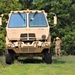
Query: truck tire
x,y
48,57
16,57
9,57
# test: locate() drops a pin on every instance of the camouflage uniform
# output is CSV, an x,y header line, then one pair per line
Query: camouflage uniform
x,y
58,47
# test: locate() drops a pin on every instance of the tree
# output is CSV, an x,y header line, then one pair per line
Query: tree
x,y
2,40
64,9
5,7
26,4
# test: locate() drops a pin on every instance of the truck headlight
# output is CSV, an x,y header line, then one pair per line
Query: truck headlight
x,y
12,45
43,44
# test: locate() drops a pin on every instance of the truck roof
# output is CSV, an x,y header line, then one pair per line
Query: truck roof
x,y
29,11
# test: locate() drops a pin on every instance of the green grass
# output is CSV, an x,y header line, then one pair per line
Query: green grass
x,y
60,66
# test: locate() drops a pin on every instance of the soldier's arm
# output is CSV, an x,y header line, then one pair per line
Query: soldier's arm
x,y
54,40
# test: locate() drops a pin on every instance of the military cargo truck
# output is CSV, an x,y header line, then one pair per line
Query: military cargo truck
x,y
28,34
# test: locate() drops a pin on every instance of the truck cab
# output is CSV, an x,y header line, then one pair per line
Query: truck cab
x,y
28,34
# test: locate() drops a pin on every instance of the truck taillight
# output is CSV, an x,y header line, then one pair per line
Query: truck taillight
x,y
9,45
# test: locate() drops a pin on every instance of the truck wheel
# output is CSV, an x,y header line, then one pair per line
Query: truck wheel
x,y
48,57
9,57
16,57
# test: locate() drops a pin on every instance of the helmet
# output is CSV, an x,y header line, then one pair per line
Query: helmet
x,y
57,38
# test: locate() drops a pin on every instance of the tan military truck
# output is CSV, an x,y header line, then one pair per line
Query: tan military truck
x,y
28,34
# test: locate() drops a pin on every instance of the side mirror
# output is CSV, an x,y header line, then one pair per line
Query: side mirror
x,y
55,20
0,20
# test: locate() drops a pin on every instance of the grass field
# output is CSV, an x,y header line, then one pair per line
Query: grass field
x,y
61,66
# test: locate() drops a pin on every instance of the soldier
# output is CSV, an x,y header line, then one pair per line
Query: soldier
x,y
57,42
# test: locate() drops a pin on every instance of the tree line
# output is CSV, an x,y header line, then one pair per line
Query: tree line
x,y
64,9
